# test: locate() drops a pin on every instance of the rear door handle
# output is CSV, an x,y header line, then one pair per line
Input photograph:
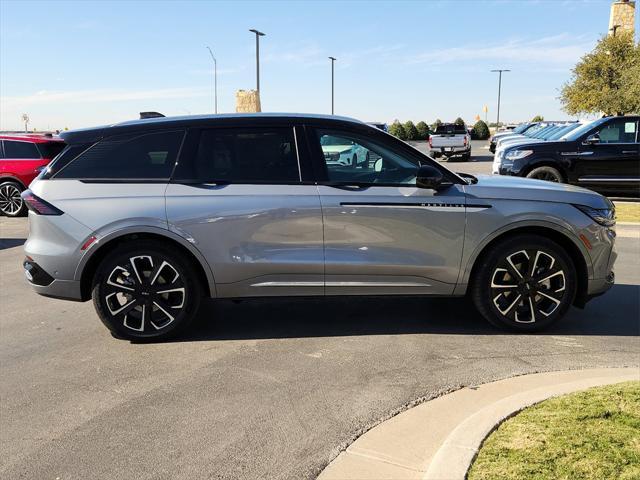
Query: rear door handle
x,y
629,152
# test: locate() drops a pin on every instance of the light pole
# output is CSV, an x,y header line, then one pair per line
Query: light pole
x,y
258,35
215,81
499,88
333,59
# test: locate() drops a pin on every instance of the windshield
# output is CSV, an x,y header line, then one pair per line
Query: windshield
x,y
578,132
521,128
563,131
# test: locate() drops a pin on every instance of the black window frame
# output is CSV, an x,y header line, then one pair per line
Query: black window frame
x,y
55,175
613,120
39,157
376,136
192,143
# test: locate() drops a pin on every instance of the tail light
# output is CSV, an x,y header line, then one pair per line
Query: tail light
x,y
38,205
430,144
465,141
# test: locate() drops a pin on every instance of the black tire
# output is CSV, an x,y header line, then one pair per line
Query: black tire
x,y
466,157
549,174
537,298
146,291
11,203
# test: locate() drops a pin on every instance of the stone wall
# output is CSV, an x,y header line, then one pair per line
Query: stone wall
x,y
622,16
247,101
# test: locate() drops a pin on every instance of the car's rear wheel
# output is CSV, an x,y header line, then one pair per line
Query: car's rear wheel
x,y
11,203
524,283
549,174
146,291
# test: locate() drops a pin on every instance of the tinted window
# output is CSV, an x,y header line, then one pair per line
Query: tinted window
x,y
450,128
50,149
20,150
618,131
351,158
243,156
147,156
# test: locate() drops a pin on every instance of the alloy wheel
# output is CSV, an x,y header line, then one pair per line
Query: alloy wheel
x,y
145,294
10,199
528,286
548,176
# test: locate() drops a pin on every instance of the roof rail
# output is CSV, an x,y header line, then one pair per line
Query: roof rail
x,y
144,115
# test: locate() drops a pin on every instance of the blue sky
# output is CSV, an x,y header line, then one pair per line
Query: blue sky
x,y
76,64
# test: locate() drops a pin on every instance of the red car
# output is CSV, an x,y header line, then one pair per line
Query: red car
x,y
22,157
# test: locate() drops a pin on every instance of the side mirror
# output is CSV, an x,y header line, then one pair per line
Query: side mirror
x,y
429,177
592,139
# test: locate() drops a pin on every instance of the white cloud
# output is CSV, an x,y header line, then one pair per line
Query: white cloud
x,y
45,97
555,50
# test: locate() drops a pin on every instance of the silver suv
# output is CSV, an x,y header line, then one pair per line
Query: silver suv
x,y
148,216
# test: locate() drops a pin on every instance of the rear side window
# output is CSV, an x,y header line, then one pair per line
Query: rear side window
x,y
20,150
266,155
135,157
50,149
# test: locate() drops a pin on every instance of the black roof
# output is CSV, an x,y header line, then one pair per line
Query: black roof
x,y
93,134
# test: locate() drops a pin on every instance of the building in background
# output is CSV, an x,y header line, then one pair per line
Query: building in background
x,y
622,17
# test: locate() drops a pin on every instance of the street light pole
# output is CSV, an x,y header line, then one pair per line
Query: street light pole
x,y
499,89
333,59
258,35
215,80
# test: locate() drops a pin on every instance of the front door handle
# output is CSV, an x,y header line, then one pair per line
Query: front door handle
x,y
629,152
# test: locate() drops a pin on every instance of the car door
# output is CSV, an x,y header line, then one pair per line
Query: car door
x,y
382,234
609,157
240,196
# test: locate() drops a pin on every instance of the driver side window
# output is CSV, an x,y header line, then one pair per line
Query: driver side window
x,y
619,131
354,158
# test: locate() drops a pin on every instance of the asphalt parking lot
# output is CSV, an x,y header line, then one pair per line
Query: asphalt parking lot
x,y
262,388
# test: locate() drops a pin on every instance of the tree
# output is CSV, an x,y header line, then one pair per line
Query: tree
x,y
397,130
410,130
436,124
606,80
423,131
538,118
459,121
481,130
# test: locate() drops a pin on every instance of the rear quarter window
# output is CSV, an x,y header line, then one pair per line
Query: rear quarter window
x,y
131,157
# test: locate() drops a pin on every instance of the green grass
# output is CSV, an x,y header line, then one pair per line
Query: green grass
x,y
628,212
590,435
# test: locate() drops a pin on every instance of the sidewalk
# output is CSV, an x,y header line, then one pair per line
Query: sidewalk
x,y
440,438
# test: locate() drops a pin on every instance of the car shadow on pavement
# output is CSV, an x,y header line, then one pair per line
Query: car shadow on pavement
x,y
615,314
11,242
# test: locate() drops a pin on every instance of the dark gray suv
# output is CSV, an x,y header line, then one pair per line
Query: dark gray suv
x,y
148,216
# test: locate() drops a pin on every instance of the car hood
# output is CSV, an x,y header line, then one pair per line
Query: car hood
x,y
336,148
505,187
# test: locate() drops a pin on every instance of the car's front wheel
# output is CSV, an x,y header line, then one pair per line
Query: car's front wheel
x,y
146,291
11,203
524,283
549,174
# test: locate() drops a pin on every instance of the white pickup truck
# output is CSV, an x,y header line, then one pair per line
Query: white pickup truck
x,y
450,140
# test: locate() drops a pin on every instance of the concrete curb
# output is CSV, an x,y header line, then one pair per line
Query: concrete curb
x,y
439,439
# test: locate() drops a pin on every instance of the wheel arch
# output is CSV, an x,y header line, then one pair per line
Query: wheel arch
x,y
11,178
559,235
545,162
89,264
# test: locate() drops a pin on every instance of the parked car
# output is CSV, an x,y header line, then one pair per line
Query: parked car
x,y
381,125
450,140
508,133
603,155
146,217
22,157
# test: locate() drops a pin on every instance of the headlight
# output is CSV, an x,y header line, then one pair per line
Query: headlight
x,y
605,216
517,154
